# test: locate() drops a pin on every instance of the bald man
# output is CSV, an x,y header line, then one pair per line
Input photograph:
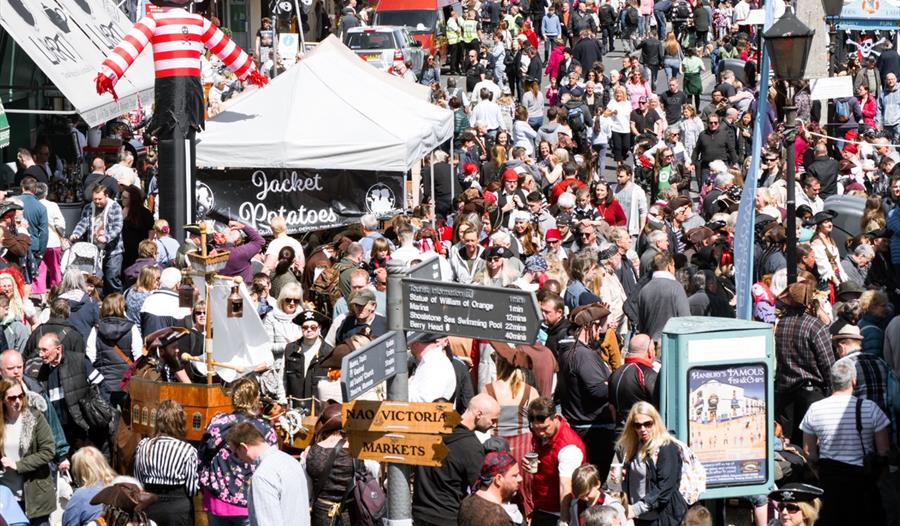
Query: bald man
x,y
439,491
636,380
12,367
98,175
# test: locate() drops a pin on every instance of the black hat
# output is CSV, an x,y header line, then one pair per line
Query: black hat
x,y
9,206
796,492
848,290
497,251
564,218
820,217
881,233
310,315
165,337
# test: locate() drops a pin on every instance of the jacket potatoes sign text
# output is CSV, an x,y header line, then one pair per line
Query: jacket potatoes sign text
x,y
307,199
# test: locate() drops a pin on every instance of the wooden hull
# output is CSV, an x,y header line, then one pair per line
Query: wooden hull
x,y
200,402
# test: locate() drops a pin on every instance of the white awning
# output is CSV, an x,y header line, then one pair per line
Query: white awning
x,y
68,40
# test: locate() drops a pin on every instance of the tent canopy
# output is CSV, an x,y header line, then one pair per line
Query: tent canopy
x,y
330,111
68,41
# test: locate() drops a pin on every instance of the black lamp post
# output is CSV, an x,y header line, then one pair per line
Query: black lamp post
x,y
788,42
833,7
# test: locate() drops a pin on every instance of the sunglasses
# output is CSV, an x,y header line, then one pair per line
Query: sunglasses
x,y
553,241
293,301
713,122
643,425
313,327
200,313
13,398
495,259
789,507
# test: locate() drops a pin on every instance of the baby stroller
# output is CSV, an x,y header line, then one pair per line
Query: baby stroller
x,y
83,256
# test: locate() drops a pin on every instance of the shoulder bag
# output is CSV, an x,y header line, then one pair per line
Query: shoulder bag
x,y
871,461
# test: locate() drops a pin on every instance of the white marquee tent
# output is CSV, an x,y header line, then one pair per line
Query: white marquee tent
x,y
330,111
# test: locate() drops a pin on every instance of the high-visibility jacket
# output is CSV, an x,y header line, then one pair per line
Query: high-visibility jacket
x,y
454,33
469,30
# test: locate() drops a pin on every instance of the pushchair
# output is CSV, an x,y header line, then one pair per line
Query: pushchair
x,y
86,257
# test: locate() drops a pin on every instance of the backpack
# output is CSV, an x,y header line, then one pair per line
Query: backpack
x,y
682,11
575,117
693,474
632,16
368,497
326,289
842,110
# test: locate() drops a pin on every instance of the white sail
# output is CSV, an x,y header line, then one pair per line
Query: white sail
x,y
240,342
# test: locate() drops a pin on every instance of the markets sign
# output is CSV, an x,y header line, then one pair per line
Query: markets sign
x,y
398,448
307,199
471,311
368,366
4,128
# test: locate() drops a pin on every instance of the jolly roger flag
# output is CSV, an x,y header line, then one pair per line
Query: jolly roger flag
x,y
307,199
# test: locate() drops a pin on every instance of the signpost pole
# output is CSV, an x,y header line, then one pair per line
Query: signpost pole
x,y
399,498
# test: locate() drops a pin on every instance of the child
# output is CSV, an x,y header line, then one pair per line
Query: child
x,y
698,516
381,253
552,93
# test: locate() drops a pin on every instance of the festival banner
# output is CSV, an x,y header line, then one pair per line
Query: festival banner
x,y
308,199
727,423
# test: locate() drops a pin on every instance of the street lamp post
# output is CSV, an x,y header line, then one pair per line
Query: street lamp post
x,y
788,42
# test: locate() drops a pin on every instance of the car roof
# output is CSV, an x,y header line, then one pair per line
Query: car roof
x,y
376,29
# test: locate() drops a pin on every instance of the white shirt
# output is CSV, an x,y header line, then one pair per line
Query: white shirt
x,y
489,84
56,220
833,422
434,378
488,113
277,244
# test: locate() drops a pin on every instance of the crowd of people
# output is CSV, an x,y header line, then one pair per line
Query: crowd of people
x,y
611,192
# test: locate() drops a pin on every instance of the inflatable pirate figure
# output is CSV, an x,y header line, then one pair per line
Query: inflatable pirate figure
x,y
178,38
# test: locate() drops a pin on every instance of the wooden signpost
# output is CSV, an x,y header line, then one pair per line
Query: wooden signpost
x,y
399,448
399,417
399,432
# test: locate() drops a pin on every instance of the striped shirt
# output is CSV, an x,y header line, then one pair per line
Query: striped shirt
x,y
167,461
833,422
178,38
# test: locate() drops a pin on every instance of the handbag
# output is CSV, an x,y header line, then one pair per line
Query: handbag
x,y
871,461
97,412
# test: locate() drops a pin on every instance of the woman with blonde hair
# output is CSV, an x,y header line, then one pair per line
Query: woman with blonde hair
x,y
798,504
27,447
873,217
512,391
620,111
167,466
652,462
166,245
147,282
91,473
282,330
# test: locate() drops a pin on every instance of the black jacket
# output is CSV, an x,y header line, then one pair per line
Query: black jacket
x,y
607,15
586,52
439,491
444,187
666,505
651,52
632,383
712,146
555,334
111,332
582,387
825,169
464,388
578,21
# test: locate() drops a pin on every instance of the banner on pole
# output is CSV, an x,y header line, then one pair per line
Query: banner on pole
x,y
307,199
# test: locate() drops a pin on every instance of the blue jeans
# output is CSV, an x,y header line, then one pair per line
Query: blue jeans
x,y
660,25
112,268
601,159
671,66
217,520
607,38
535,122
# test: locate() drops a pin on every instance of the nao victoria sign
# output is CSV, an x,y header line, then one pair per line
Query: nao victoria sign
x,y
307,199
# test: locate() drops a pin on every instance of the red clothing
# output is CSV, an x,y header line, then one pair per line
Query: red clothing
x,y
532,37
868,110
545,485
554,60
612,213
560,188
178,39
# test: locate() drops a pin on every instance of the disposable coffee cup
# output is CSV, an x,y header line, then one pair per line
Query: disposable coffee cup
x,y
531,461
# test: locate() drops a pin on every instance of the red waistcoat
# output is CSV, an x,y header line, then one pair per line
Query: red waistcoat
x,y
545,485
